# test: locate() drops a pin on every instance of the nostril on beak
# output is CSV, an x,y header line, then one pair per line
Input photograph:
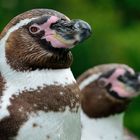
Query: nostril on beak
x,y
84,29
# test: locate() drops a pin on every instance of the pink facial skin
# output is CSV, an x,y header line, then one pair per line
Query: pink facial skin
x,y
46,26
50,34
57,43
119,87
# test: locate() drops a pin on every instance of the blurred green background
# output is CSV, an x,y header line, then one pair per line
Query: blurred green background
x,y
115,38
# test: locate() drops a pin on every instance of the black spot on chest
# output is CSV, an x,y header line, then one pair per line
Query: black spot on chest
x,y
2,84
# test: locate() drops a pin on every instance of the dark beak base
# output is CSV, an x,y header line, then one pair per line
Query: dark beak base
x,y
131,80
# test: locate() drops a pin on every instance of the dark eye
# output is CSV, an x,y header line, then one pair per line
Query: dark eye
x,y
102,82
34,29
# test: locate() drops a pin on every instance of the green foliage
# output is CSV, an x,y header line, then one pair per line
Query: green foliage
x,y
115,38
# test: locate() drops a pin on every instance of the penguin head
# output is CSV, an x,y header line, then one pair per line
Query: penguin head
x,y
42,38
108,89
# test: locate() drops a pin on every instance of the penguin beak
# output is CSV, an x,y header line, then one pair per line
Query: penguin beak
x,y
131,80
70,33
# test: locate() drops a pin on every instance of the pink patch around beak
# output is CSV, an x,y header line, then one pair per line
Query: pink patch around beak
x,y
119,87
56,43
50,34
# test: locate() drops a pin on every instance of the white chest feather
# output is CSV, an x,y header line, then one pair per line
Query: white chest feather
x,y
20,81
51,126
110,128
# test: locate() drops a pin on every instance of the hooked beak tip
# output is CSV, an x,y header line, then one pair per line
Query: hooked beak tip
x,y
84,29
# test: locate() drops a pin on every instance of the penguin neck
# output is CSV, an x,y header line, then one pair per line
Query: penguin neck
x,y
33,78
108,128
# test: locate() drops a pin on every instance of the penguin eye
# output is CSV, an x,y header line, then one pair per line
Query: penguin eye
x,y
34,29
102,82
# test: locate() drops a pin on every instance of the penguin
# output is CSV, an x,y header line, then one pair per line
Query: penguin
x,y
39,96
106,91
